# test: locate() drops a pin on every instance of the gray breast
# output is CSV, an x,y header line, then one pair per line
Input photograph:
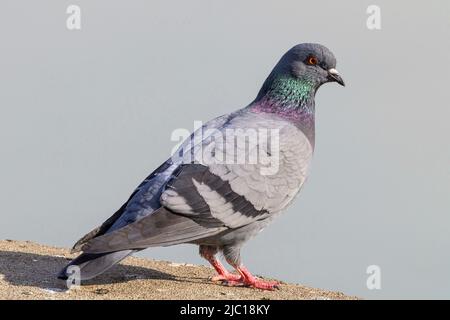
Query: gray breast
x,y
272,183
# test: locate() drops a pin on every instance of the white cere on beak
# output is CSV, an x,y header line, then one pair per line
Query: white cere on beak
x,y
333,71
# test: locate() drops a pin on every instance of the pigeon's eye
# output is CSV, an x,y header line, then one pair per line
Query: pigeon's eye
x,y
312,60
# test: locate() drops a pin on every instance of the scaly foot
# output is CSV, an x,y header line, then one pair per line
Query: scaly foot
x,y
262,284
247,279
253,283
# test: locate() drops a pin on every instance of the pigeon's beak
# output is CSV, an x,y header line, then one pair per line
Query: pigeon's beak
x,y
333,75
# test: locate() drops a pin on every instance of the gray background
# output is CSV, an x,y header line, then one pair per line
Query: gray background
x,y
86,115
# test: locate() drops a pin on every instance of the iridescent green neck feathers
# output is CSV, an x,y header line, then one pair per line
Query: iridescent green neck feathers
x,y
286,94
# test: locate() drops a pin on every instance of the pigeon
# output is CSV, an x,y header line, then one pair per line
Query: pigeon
x,y
227,181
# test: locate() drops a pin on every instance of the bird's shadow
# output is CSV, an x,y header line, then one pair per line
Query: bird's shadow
x,y
29,269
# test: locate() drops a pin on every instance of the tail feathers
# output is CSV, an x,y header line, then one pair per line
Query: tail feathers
x,y
93,264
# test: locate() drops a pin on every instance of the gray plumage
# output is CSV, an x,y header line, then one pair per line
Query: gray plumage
x,y
195,197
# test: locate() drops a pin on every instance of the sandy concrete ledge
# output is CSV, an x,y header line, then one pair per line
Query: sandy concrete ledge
x,y
27,271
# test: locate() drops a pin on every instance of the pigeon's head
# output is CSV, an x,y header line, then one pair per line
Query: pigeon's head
x,y
310,62
294,80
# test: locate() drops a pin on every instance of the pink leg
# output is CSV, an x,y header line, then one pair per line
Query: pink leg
x,y
223,274
249,280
